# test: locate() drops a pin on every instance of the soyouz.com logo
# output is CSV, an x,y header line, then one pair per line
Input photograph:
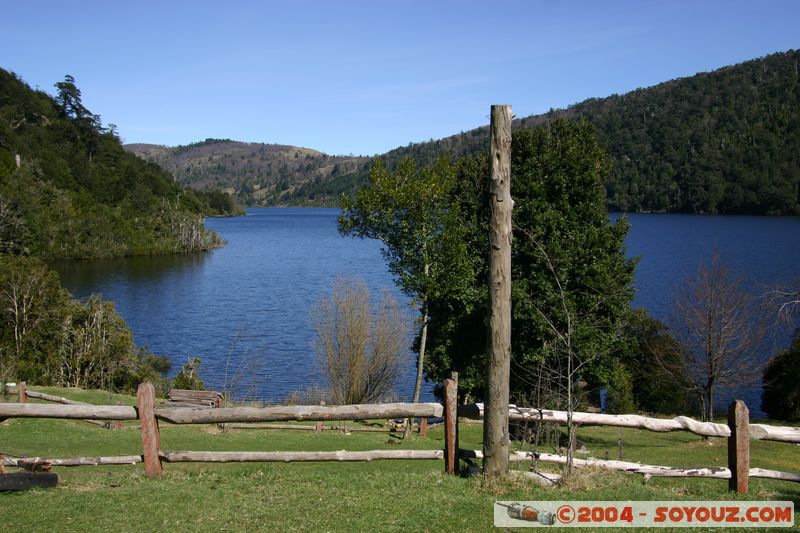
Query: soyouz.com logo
x,y
643,514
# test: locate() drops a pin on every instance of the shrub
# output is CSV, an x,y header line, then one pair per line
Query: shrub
x,y
781,396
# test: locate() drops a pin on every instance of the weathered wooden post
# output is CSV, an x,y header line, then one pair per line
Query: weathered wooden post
x,y
496,440
117,423
318,425
739,447
151,438
450,426
22,389
423,426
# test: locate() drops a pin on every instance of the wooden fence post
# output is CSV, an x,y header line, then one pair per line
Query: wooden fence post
x,y
496,440
454,377
423,426
318,425
22,388
739,446
450,426
117,423
151,439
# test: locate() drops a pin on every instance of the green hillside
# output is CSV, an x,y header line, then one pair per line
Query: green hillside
x,y
69,190
726,141
259,174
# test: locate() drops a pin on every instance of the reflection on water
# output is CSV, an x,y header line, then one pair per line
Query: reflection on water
x,y
109,272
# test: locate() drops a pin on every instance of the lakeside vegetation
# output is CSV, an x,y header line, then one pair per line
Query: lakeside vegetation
x,y
381,495
68,190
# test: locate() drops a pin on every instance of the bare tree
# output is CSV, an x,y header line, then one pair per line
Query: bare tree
x,y
719,326
359,347
786,301
241,371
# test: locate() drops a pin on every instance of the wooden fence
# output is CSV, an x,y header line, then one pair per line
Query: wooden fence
x,y
149,416
738,431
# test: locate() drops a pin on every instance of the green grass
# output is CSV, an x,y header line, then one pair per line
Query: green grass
x,y
376,496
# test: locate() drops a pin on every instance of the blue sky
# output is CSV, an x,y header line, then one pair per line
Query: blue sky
x,y
365,77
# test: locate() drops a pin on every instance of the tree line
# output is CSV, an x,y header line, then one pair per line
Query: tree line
x,y
721,142
71,191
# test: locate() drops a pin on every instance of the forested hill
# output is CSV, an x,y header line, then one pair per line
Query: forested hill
x,y
726,141
68,189
259,174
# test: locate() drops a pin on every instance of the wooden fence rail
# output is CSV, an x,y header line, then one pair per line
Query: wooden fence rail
x,y
679,423
638,468
89,412
287,457
149,415
184,415
738,431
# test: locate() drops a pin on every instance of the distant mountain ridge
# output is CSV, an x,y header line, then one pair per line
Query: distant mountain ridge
x,y
259,174
726,141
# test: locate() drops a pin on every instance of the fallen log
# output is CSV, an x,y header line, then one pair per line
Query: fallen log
x,y
296,412
206,405
28,480
51,398
91,412
62,400
679,423
646,470
67,401
208,395
77,461
288,457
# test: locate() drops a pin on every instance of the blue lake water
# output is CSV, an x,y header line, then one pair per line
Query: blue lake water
x,y
251,299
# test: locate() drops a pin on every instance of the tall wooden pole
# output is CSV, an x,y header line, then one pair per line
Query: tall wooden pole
x,y
496,441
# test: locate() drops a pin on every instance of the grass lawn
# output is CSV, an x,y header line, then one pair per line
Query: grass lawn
x,y
375,496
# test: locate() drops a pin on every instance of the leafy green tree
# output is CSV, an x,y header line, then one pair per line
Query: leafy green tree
x,y
68,99
781,396
569,270
411,213
652,358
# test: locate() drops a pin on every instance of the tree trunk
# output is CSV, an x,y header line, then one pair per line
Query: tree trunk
x,y
423,337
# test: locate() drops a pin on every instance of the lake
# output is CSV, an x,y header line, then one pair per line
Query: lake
x,y
249,301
